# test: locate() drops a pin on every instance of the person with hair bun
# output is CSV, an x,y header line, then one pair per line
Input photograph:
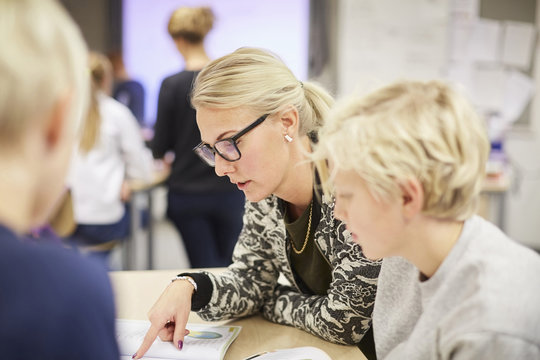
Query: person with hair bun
x,y
191,25
205,209
258,123
407,163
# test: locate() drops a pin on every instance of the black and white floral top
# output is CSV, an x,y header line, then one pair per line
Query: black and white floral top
x,y
250,284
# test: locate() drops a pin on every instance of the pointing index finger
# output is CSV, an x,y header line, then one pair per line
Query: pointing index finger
x,y
149,338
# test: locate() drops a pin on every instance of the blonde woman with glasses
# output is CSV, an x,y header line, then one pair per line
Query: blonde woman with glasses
x,y
257,124
407,164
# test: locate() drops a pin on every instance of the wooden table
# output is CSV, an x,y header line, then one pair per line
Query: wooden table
x,y
136,292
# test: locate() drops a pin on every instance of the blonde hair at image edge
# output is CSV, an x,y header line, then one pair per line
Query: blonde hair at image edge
x,y
258,80
191,24
39,64
410,129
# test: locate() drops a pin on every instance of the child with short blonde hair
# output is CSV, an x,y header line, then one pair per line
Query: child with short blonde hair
x,y
406,164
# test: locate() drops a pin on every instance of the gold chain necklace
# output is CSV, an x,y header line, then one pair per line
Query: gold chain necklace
x,y
298,252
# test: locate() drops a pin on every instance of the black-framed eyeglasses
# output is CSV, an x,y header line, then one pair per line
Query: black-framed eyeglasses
x,y
226,148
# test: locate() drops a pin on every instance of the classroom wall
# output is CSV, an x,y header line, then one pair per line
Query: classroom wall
x,y
523,148
380,41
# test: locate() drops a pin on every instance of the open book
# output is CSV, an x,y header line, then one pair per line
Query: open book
x,y
298,353
204,342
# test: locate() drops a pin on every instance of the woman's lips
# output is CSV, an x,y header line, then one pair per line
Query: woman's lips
x,y
242,185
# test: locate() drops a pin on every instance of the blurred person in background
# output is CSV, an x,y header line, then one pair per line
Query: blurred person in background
x,y
205,209
127,90
110,152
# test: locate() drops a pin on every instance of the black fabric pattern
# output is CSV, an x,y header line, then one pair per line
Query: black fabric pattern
x,y
204,290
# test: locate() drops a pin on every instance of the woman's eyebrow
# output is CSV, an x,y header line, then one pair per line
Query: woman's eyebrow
x,y
220,137
224,135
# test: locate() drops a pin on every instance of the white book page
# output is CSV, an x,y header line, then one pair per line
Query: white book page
x,y
298,353
204,342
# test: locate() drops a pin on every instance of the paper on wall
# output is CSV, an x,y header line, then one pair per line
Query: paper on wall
x,y
488,88
518,92
518,44
484,44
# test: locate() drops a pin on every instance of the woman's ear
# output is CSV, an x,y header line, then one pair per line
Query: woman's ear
x,y
290,122
412,197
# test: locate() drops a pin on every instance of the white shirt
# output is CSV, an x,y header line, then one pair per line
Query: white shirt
x,y
96,177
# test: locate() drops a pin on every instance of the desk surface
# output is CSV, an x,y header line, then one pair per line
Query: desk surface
x,y
136,292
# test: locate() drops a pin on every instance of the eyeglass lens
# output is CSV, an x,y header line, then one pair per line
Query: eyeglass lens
x,y
207,154
227,149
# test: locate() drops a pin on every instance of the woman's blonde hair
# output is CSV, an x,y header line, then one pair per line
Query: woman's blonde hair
x,y
259,80
43,58
101,75
191,23
424,130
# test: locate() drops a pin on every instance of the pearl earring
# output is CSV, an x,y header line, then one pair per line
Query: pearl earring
x,y
288,138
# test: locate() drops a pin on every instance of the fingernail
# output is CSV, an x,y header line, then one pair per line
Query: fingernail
x,y
134,355
180,344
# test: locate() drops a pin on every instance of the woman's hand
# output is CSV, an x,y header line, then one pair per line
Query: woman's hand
x,y
169,316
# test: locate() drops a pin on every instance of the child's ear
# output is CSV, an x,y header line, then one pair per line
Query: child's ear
x,y
57,122
412,195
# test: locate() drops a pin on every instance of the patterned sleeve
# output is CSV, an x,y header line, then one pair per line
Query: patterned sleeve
x,y
250,280
342,316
